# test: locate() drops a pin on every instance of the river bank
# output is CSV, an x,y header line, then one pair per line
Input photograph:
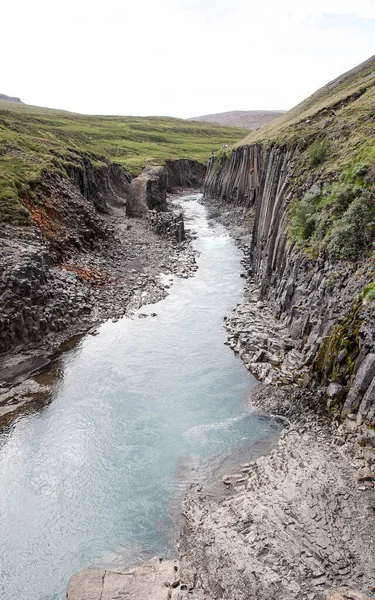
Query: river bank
x,y
297,523
134,267
300,521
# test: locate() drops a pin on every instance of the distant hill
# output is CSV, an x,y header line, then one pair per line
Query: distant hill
x,y
6,98
248,119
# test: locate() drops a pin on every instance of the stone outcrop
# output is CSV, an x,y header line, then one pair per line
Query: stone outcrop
x,y
105,186
36,296
185,173
147,192
308,297
155,580
168,224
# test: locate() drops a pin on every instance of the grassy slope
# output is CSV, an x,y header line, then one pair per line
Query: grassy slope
x,y
348,103
334,130
33,139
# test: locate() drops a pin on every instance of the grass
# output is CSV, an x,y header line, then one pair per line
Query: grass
x,y
332,129
333,133
33,139
350,98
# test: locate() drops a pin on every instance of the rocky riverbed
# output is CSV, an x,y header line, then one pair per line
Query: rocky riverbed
x,y
299,522
50,304
296,524
263,342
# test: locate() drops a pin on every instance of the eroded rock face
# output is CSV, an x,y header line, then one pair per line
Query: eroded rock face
x,y
36,296
307,297
105,186
169,224
363,385
185,173
147,192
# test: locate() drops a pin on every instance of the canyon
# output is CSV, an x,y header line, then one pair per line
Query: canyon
x,y
297,195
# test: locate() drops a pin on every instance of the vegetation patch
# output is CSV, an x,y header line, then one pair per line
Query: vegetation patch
x,y
337,218
339,351
369,294
318,151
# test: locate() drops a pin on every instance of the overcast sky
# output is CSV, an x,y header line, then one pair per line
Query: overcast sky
x,y
180,58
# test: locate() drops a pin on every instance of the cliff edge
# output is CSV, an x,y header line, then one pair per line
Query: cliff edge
x,y
304,188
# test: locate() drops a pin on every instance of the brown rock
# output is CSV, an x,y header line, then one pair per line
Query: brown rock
x,y
344,594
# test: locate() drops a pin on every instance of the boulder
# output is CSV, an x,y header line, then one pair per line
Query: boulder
x,y
362,381
147,192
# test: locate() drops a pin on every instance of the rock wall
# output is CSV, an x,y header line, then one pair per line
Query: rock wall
x,y
311,297
104,186
147,192
36,297
185,173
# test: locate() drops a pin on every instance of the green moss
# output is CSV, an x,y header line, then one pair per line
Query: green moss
x,y
344,343
332,278
369,293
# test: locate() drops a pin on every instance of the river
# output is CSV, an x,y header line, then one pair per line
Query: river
x,y
136,411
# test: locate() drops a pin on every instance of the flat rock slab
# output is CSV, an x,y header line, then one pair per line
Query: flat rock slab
x,y
152,580
344,594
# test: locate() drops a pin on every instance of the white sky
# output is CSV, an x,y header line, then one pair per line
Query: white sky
x,y
180,58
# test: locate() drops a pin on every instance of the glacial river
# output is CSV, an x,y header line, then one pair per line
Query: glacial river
x,y
136,411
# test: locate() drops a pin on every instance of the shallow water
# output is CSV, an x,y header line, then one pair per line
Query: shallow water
x,y
135,414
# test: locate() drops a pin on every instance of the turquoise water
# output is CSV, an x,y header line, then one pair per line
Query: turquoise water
x,y
136,412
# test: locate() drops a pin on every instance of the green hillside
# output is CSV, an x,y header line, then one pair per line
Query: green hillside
x,y
333,134
348,99
33,139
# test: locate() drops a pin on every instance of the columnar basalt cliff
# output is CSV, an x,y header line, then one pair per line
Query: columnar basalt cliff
x,y
321,299
185,173
105,186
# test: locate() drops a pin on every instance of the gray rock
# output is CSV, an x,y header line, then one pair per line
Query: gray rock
x,y
364,474
362,381
294,530
146,581
147,192
335,390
